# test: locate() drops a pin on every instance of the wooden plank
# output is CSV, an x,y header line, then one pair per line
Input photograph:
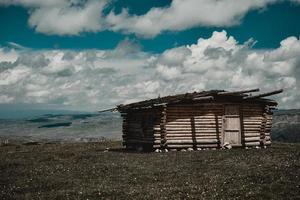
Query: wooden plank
x,y
251,139
254,134
190,137
180,146
252,144
203,141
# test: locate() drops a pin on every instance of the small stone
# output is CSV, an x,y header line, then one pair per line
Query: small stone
x,y
190,149
199,149
227,146
182,150
106,150
157,150
166,150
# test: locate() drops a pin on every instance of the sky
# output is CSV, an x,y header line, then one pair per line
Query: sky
x,y
90,55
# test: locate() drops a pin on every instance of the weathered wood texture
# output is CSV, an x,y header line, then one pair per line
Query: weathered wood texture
x,y
138,128
194,125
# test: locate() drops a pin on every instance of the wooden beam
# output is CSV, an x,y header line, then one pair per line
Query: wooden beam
x,y
204,98
107,110
239,92
264,94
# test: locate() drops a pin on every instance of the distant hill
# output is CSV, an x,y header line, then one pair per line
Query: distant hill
x,y
286,125
75,126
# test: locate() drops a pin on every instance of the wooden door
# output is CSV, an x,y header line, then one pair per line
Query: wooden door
x,y
232,125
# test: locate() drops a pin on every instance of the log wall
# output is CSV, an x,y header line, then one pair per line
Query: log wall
x,y
193,126
138,129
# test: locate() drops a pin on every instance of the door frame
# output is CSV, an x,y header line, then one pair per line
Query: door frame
x,y
240,123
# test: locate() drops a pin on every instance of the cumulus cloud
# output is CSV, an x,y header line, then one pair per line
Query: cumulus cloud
x,y
95,79
68,19
181,15
72,17
63,17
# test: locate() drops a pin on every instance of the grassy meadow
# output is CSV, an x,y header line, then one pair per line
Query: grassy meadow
x,y
86,171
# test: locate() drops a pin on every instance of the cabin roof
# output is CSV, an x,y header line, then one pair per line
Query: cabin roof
x,y
204,96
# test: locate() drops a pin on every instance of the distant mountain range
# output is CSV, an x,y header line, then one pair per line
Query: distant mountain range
x,y
63,127
286,125
76,126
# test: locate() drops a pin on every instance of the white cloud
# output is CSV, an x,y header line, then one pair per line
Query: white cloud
x,y
8,55
72,17
63,17
95,79
5,99
182,15
68,19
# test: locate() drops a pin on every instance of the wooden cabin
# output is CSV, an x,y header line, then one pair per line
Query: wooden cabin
x,y
199,120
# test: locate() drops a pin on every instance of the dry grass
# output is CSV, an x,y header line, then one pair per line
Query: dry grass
x,y
84,171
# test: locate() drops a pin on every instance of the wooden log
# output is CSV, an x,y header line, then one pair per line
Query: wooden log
x,y
251,139
251,129
260,110
194,128
191,135
211,123
203,141
252,143
180,146
193,139
264,94
252,121
212,131
239,92
252,125
175,128
254,134
193,108
245,118
252,114
187,121
190,132
195,104
194,113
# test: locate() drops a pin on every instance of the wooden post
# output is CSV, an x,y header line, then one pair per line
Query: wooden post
x,y
263,130
218,131
243,142
163,130
125,129
193,133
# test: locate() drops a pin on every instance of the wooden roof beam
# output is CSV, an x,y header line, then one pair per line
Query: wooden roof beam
x,y
264,94
203,98
239,92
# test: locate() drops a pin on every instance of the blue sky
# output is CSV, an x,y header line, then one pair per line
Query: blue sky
x,y
279,20
93,54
